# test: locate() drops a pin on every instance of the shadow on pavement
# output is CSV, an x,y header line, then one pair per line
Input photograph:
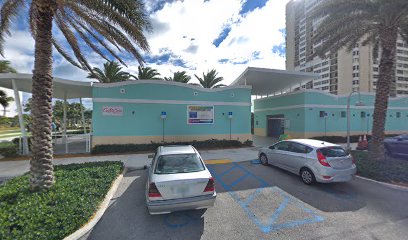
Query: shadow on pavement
x,y
250,175
127,216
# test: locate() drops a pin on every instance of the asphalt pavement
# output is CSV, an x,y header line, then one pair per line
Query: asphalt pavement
x,y
262,202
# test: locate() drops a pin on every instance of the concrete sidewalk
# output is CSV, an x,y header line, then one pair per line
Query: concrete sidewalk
x,y
14,168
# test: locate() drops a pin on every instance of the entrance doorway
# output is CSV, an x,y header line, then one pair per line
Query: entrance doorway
x,y
276,125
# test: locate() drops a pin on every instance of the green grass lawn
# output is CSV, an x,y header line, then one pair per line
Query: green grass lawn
x,y
60,211
391,170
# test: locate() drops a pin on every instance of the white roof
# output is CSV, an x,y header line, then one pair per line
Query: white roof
x,y
267,81
314,143
177,149
72,88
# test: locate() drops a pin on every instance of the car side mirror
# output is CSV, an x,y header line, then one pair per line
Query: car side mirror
x,y
272,147
400,139
151,156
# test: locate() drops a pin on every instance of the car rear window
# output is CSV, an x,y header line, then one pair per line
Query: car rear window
x,y
178,163
333,152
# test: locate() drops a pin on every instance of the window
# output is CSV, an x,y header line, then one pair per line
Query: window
x,y
283,146
398,114
299,148
333,152
343,114
178,163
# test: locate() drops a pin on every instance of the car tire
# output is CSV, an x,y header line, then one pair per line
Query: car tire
x,y
264,159
307,176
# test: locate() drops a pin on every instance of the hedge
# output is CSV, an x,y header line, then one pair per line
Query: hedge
x,y
127,148
59,211
343,139
8,149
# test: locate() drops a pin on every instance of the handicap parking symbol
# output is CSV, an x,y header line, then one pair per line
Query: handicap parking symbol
x,y
275,216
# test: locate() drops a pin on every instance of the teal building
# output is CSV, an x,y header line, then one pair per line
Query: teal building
x,y
148,111
311,113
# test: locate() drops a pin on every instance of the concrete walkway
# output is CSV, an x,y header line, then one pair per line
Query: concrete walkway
x,y
14,168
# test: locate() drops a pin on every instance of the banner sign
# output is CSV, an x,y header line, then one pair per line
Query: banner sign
x,y
200,114
112,111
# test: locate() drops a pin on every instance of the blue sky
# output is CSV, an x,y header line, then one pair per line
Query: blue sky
x,y
190,35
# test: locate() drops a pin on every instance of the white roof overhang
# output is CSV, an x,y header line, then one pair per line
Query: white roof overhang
x,y
266,81
62,87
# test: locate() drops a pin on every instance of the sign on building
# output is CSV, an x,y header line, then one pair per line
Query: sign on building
x,y
112,111
200,114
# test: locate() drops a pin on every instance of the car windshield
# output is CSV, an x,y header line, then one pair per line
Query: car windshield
x,y
178,163
333,152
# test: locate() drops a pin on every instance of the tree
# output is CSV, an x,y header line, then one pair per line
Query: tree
x,y
5,101
112,72
376,23
147,73
6,68
179,77
210,80
97,25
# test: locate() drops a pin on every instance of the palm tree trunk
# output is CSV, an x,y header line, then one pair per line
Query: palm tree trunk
x,y
42,172
387,76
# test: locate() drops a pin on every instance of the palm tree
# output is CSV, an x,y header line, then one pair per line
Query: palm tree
x,y
6,68
146,73
179,77
5,101
376,23
97,25
210,80
112,72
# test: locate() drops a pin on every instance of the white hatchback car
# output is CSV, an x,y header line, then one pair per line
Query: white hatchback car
x,y
178,180
312,160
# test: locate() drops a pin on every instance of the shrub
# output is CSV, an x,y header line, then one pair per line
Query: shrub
x,y
343,139
60,211
208,144
8,149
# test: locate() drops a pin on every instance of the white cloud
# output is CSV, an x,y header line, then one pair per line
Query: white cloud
x,y
187,29
257,31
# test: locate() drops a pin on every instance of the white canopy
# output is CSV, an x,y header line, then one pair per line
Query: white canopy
x,y
268,81
62,87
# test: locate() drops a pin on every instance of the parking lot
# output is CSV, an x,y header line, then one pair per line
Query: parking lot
x,y
262,202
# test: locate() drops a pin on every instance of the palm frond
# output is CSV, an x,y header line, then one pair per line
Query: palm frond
x,y
9,10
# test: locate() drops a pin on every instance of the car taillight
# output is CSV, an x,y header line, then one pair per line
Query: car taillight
x,y
322,159
153,191
210,185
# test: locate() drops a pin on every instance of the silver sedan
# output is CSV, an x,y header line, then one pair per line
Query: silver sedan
x,y
312,160
178,180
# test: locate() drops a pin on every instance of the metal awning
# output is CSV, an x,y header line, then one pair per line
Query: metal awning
x,y
266,81
62,87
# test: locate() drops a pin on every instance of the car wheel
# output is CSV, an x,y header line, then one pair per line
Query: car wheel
x,y
307,176
264,159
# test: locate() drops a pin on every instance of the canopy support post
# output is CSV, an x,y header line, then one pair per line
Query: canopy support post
x,y
20,117
65,122
82,115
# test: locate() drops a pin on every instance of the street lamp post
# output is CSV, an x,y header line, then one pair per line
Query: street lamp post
x,y
359,103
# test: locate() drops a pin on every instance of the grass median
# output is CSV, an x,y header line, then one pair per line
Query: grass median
x,y
391,170
60,211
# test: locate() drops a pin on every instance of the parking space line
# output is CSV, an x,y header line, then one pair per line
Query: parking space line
x,y
229,170
238,180
288,200
217,161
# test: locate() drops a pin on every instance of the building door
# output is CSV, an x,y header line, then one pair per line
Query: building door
x,y
275,126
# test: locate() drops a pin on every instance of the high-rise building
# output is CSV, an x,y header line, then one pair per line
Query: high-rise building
x,y
343,71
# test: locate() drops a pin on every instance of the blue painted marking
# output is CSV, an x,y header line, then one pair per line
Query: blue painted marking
x,y
229,170
271,225
186,220
238,180
256,161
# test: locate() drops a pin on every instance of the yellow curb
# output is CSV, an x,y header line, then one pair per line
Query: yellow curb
x,y
217,161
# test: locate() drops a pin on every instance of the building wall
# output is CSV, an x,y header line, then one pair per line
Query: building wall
x,y
303,108
143,102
